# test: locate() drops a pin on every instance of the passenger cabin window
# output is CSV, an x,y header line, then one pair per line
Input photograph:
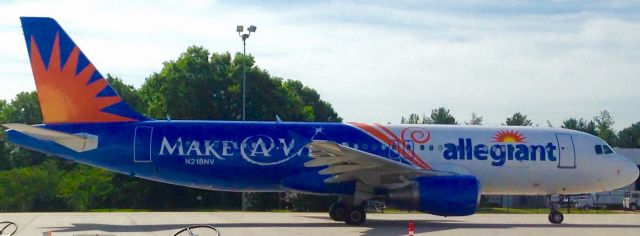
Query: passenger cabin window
x,y
599,149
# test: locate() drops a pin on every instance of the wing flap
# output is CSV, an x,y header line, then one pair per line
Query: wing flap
x,y
346,164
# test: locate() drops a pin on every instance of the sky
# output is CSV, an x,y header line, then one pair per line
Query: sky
x,y
374,61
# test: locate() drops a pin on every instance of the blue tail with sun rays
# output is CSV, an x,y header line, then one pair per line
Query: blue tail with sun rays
x,y
70,89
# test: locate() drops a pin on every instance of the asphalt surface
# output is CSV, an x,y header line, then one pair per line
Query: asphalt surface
x,y
267,224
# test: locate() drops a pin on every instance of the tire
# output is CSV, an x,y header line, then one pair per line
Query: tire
x,y
355,216
633,207
337,211
556,217
586,207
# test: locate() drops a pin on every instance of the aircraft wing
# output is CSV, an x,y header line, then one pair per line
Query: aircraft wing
x,y
77,142
346,164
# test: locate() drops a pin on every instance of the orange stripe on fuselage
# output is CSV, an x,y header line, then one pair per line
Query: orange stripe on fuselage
x,y
418,161
380,135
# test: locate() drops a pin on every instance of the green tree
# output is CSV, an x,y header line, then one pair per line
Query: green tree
x,y
84,186
188,88
441,115
128,93
518,119
629,137
580,125
196,86
475,119
315,109
412,119
604,127
24,108
29,188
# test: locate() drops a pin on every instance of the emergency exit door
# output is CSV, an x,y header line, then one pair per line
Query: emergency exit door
x,y
142,144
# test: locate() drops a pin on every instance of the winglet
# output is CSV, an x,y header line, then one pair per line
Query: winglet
x,y
70,88
78,142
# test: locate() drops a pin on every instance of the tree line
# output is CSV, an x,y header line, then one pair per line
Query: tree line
x,y
600,125
206,86
197,85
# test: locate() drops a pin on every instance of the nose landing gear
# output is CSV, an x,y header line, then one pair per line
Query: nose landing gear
x,y
555,217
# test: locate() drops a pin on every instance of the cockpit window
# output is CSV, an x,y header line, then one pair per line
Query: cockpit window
x,y
598,149
603,149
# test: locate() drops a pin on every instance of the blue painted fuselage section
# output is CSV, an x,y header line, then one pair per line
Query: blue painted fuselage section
x,y
229,156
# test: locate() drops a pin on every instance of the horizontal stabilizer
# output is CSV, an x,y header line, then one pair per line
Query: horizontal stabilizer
x,y
78,142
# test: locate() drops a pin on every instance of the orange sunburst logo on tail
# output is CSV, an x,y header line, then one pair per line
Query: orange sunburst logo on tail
x,y
508,136
65,97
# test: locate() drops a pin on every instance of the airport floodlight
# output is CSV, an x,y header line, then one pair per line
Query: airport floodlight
x,y
244,36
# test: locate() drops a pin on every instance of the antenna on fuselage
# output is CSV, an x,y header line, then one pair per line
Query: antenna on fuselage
x,y
278,120
168,117
549,124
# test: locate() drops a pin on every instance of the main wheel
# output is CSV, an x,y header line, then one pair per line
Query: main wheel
x,y
633,207
556,217
355,216
337,211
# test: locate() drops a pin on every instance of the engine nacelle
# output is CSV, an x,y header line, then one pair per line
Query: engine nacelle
x,y
439,195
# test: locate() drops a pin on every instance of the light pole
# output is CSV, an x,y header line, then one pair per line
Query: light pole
x,y
240,29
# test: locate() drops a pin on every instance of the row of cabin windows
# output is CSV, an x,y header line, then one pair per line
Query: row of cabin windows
x,y
603,149
374,147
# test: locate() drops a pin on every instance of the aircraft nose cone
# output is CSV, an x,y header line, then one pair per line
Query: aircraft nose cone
x,y
627,172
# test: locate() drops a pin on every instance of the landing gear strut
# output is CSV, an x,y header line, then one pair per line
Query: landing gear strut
x,y
350,209
555,217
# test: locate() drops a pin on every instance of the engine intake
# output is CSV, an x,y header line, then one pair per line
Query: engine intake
x,y
439,195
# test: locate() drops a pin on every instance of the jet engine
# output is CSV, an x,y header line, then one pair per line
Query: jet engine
x,y
439,195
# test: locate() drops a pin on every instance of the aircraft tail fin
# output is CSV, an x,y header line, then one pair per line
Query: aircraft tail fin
x,y
70,89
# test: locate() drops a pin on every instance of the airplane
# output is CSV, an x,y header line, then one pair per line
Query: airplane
x,y
436,169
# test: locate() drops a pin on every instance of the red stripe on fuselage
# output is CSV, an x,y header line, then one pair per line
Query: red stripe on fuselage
x,y
412,156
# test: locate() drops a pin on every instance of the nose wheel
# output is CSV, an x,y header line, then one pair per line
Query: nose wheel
x,y
555,217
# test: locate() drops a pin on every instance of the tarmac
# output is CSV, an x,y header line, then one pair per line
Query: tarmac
x,y
282,224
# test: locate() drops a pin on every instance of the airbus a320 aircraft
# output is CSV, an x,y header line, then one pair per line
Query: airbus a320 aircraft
x,y
436,169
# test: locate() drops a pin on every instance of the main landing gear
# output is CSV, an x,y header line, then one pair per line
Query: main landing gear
x,y
555,217
354,215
